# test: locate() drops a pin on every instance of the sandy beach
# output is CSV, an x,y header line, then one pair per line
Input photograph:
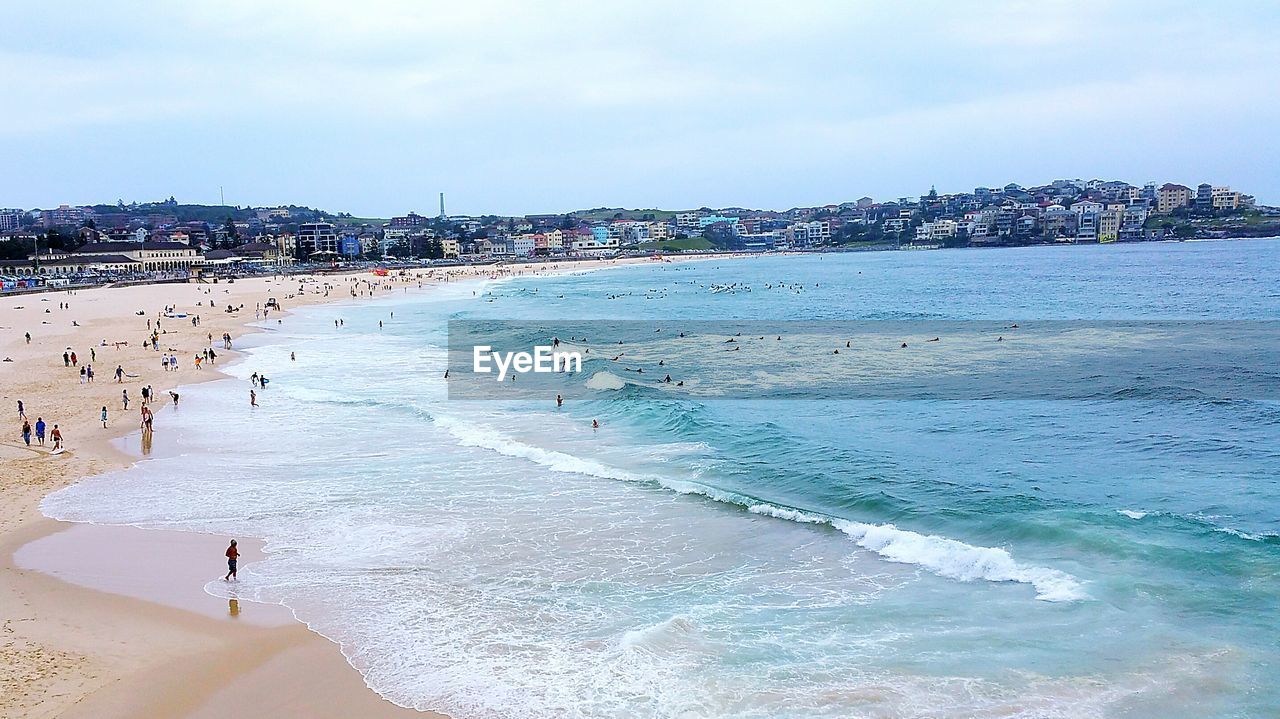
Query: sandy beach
x,y
108,621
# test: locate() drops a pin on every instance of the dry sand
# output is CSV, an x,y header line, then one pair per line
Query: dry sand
x,y
114,622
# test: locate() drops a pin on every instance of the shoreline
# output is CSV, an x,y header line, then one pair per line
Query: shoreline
x,y
79,645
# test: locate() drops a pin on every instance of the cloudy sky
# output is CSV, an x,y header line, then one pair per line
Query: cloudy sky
x,y
373,107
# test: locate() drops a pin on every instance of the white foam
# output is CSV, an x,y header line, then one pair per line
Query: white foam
x,y
1241,534
957,560
659,637
1131,513
470,434
606,380
945,557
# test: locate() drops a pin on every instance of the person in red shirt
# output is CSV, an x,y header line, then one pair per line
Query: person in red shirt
x,y
232,555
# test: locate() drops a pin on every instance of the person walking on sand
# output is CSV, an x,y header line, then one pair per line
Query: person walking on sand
x,y
26,432
56,436
104,417
82,375
124,395
22,411
40,431
119,374
233,554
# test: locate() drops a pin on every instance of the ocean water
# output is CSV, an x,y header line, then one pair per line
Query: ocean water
x,y
752,558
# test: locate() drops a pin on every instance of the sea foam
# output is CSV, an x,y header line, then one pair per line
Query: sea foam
x,y
944,557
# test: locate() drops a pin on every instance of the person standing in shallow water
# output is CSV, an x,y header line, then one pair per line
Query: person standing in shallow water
x,y
233,554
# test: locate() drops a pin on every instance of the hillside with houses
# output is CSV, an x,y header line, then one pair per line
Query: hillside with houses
x,y
169,238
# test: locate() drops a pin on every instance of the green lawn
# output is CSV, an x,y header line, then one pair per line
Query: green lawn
x,y
1249,219
360,221
602,215
691,243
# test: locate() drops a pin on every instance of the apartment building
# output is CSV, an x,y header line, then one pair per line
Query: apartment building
x,y
1223,198
11,220
1171,197
317,237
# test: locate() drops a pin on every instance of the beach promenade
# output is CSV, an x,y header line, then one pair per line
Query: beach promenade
x,y
114,622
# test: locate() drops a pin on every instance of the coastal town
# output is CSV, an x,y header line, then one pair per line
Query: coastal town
x,y
159,240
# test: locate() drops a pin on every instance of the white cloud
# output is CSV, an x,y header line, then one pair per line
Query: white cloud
x,y
682,102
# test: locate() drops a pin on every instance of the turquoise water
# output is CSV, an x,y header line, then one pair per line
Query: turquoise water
x,y
765,558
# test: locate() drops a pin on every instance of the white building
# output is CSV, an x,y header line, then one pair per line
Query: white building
x,y
148,256
687,220
11,220
590,245
316,237
521,245
937,230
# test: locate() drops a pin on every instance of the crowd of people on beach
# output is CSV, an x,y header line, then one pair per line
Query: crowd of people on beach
x,y
38,433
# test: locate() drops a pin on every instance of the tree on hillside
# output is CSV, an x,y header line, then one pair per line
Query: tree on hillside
x,y
233,234
56,239
14,248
